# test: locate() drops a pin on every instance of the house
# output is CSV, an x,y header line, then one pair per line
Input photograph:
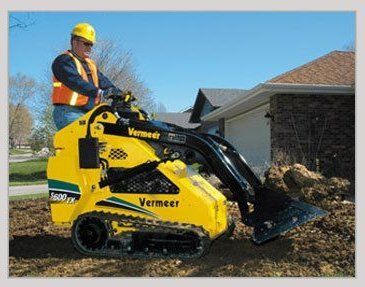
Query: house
x,y
208,100
306,114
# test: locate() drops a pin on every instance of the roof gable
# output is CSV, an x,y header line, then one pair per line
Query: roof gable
x,y
335,68
219,97
215,97
179,119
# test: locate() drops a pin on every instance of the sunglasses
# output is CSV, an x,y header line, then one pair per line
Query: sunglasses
x,y
86,44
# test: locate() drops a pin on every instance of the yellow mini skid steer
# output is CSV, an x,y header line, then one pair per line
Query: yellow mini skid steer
x,y
125,186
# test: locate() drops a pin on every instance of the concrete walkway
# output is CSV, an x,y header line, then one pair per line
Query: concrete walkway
x,y
28,189
21,157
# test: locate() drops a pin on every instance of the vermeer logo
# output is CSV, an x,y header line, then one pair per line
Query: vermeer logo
x,y
158,203
143,134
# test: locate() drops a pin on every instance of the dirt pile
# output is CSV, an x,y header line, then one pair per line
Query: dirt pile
x,y
298,181
337,229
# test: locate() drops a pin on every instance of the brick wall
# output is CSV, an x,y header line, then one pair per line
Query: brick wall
x,y
317,130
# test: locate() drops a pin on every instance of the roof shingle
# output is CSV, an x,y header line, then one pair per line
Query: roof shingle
x,y
179,119
335,68
220,97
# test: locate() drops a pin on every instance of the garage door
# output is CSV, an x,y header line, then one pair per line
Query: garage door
x,y
250,134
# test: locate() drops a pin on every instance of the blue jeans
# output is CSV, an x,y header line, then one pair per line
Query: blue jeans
x,y
65,115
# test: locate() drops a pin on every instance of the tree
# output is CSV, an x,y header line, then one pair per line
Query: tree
x,y
350,47
160,108
118,65
42,136
21,90
21,125
43,102
44,129
17,22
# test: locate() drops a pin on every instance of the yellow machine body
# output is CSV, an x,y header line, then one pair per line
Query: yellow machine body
x,y
75,191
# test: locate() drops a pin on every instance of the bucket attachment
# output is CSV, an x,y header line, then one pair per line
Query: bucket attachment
x,y
269,212
279,213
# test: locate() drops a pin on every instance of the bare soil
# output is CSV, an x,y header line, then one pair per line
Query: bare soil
x,y
325,247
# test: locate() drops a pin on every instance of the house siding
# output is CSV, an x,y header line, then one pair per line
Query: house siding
x,y
316,130
221,126
208,125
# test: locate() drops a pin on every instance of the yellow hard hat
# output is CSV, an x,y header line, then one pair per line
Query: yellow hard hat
x,y
84,30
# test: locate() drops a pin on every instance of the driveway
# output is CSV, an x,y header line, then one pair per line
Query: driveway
x,y
28,189
21,157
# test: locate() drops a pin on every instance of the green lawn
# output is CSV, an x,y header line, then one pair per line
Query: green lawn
x,y
35,182
28,172
28,196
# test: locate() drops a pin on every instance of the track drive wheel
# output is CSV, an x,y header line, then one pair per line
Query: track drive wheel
x,y
89,234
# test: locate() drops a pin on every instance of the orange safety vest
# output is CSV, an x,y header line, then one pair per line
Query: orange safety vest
x,y
64,95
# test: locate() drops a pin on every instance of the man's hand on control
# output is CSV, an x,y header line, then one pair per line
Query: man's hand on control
x,y
128,97
110,93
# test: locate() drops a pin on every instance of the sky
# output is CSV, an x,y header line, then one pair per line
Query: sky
x,y
176,53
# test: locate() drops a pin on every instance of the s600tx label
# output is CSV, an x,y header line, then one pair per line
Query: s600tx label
x,y
61,197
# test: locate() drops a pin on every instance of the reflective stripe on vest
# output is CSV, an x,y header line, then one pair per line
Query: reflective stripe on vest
x,y
78,67
63,95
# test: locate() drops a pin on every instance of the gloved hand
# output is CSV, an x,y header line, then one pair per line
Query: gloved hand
x,y
128,97
110,93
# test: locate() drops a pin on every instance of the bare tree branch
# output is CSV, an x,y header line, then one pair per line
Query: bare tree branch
x,y
21,125
119,66
350,47
21,90
15,22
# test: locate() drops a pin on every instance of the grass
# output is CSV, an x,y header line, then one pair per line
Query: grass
x,y
35,182
28,172
28,196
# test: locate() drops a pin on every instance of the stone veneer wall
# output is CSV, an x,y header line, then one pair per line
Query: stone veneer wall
x,y
316,130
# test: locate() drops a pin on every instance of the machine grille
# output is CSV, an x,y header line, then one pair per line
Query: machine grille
x,y
117,153
148,183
